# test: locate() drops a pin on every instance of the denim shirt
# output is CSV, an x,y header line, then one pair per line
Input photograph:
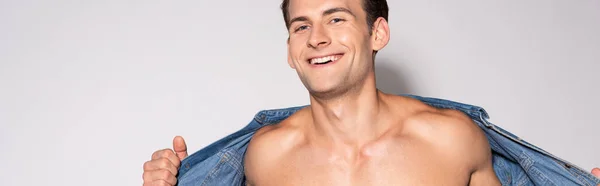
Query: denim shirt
x,y
515,161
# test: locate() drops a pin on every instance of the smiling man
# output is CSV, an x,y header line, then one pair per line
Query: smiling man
x,y
353,134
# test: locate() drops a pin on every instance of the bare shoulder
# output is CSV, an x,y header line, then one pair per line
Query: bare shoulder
x,y
423,115
444,122
451,131
454,138
270,145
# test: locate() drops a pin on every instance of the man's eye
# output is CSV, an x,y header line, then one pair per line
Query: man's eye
x,y
337,20
304,27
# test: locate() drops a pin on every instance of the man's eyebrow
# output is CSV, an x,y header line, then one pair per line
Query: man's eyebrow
x,y
325,13
337,9
298,19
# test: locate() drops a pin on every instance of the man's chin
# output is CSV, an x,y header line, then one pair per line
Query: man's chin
x,y
327,93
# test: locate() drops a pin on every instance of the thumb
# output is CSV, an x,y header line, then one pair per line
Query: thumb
x,y
179,147
596,172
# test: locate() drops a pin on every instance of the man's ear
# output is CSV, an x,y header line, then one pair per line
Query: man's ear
x,y
380,34
289,57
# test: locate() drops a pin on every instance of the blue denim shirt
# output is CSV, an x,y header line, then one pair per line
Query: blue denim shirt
x,y
516,162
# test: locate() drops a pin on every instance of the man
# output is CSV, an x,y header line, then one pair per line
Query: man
x,y
351,134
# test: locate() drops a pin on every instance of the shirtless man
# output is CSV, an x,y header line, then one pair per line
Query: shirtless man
x,y
352,133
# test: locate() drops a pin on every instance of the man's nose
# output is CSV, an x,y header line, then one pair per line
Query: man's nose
x,y
318,38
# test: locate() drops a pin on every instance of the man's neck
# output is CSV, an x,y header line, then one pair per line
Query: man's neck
x,y
353,119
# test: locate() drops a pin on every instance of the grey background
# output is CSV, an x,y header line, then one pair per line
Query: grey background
x,y
89,89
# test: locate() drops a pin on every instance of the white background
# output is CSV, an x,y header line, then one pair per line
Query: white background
x,y
89,89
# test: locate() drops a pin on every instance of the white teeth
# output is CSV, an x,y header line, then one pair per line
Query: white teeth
x,y
323,59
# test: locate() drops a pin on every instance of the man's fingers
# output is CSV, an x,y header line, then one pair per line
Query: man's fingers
x,y
180,147
159,153
169,154
158,164
162,168
157,177
596,172
157,183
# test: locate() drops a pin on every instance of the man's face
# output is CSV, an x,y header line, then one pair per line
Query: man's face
x,y
329,44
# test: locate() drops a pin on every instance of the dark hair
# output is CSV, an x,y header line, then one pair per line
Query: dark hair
x,y
373,8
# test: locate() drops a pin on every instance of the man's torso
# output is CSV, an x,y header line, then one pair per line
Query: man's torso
x,y
415,150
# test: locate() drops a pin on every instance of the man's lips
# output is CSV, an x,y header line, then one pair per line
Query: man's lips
x,y
320,60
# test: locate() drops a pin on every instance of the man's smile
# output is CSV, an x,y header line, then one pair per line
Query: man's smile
x,y
323,60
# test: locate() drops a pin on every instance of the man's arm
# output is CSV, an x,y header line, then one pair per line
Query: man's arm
x,y
477,144
255,153
264,152
484,173
469,145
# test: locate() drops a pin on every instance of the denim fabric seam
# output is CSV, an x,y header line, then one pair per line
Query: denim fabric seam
x,y
555,158
215,169
581,176
263,115
544,178
593,178
523,181
507,175
525,160
520,141
528,165
234,162
578,173
259,118
515,138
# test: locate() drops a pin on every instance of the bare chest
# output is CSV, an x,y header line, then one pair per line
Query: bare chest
x,y
377,165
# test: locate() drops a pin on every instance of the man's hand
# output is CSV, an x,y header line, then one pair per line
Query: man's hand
x,y
161,170
596,172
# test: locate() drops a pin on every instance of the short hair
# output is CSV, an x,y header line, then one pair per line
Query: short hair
x,y
373,8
